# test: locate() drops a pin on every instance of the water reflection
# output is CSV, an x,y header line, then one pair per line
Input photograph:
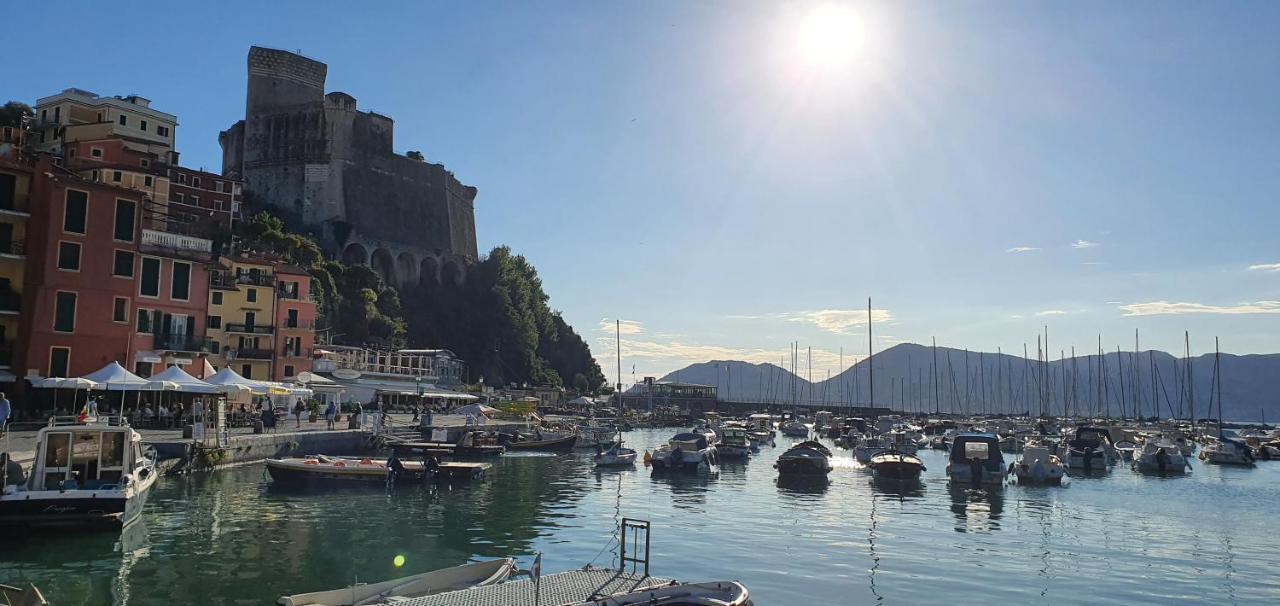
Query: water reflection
x,y
900,489
688,488
803,485
977,509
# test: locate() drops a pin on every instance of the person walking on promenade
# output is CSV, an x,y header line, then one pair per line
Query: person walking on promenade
x,y
6,409
298,409
330,412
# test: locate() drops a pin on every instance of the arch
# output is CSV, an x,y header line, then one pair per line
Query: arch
x,y
355,254
385,265
407,268
430,271
454,272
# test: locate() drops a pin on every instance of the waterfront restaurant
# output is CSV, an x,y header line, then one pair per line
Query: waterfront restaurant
x,y
395,376
686,397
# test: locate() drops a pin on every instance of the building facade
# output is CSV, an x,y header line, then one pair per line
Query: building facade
x,y
242,316
16,170
295,321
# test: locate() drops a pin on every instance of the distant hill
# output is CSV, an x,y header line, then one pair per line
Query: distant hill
x,y
988,382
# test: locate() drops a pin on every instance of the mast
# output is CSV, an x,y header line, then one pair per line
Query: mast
x,y
871,366
840,385
1217,374
967,390
1191,391
937,408
617,335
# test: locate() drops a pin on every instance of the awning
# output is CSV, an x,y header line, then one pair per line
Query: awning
x,y
114,377
7,377
182,381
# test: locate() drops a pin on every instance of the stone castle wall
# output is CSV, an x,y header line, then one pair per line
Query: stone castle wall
x,y
330,168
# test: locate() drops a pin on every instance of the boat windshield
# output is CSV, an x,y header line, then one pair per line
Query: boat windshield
x,y
975,450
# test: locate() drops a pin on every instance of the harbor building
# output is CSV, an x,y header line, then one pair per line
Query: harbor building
x,y
16,170
242,315
295,321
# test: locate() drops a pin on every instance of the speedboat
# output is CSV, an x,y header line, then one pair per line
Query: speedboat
x,y
539,442
1090,449
976,459
1039,465
795,429
896,465
902,441
616,456
1227,451
718,593
1126,450
760,438
1160,456
685,451
807,458
733,444
477,574
867,447
85,475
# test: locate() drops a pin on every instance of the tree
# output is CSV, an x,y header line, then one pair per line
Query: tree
x,y
12,113
580,383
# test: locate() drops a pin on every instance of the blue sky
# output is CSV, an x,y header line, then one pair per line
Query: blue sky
x,y
980,169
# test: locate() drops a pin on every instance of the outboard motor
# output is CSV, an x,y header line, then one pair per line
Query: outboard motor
x,y
676,457
1088,458
1162,460
975,471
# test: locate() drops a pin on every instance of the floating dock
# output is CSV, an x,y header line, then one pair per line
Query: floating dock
x,y
447,449
457,470
573,587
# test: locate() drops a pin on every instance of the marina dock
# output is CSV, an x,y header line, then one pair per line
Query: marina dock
x,y
571,587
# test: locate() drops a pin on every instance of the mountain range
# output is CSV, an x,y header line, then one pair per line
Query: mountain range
x,y
913,377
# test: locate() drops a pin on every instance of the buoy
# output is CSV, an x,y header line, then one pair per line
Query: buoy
x,y
648,459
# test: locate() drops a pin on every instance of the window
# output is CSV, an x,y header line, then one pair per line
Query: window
x,y
250,318
145,163
77,206
71,153
251,296
116,176
292,322
99,116
124,120
163,131
214,322
142,369
146,181
8,190
150,286
95,152
64,315
97,176
57,114
182,178
246,371
219,205
195,200
215,347
217,186
44,115
195,181
120,310
144,321
126,213
122,265
69,256
180,286
179,198
142,124
288,371
217,298
59,362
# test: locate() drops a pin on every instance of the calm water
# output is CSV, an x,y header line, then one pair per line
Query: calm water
x,y
1121,538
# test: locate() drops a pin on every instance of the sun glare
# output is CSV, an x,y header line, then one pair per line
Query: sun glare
x,y
831,37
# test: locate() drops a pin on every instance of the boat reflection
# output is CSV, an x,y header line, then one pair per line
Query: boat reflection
x,y
902,489
687,489
977,509
803,485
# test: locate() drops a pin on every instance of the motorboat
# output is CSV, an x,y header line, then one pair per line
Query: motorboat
x,y
893,464
795,429
1011,444
867,447
540,443
763,423
85,475
327,470
685,451
1227,450
1160,456
733,444
477,574
1091,449
615,456
1038,466
976,459
718,593
902,441
1126,450
807,458
760,438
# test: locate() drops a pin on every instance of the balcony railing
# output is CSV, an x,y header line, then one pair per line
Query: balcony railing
x,y
184,343
256,279
13,247
250,329
176,242
301,353
299,325
286,293
18,204
251,354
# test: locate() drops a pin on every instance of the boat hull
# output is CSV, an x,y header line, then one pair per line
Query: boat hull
x,y
565,444
896,470
74,509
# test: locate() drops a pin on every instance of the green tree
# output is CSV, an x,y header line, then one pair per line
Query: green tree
x,y
12,113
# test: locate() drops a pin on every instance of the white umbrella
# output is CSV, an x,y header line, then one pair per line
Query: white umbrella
x,y
176,379
55,383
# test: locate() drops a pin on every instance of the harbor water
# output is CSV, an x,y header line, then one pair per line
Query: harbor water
x,y
230,537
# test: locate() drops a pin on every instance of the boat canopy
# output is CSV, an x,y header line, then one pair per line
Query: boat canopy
x,y
1090,437
697,438
813,445
975,445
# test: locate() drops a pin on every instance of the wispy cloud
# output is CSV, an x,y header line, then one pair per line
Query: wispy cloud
x,y
1022,249
835,321
626,327
1083,244
1269,267
1051,312
1093,263
1157,308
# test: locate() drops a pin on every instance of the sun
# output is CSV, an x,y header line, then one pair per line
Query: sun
x,y
831,37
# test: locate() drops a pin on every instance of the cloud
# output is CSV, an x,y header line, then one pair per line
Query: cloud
x,y
1050,312
1094,263
839,321
1022,249
1016,317
1157,308
1268,267
626,327
1083,244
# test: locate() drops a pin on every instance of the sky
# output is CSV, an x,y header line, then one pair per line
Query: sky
x,y
730,177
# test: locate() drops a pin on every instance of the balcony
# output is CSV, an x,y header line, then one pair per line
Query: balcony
x,y
253,279
288,293
250,354
10,303
6,354
184,343
177,244
13,248
301,353
299,325
16,205
250,329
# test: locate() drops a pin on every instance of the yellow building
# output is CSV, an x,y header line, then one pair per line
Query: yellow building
x,y
15,194
242,312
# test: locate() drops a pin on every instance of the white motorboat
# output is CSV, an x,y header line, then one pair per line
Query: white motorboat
x,y
1091,449
868,446
733,444
688,451
719,593
795,429
1162,456
94,474
1227,451
476,574
902,441
976,459
1039,465
615,456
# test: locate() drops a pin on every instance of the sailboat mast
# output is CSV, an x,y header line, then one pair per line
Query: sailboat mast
x,y
937,407
871,366
617,335
1191,390
1217,373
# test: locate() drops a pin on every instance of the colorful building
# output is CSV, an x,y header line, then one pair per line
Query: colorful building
x,y
16,169
295,321
242,315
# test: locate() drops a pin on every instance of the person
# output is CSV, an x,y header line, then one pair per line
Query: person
x,y
330,412
164,416
6,409
297,411
415,413
268,417
12,471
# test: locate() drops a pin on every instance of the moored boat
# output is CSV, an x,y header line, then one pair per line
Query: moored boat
x,y
1038,466
685,451
616,456
795,429
556,444
733,444
976,459
868,446
1227,451
716,593
894,465
477,574
1090,450
1161,456
805,459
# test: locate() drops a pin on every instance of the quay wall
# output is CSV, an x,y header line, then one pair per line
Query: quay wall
x,y
178,456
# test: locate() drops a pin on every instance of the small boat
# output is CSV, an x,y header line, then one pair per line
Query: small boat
x,y
321,469
1011,444
733,444
806,458
16,596
761,438
718,593
1161,456
795,429
84,475
477,574
867,447
1091,449
1038,466
556,444
902,441
616,456
894,465
1126,450
1227,451
976,459
685,451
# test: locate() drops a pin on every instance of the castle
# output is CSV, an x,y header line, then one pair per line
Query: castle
x,y
327,168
